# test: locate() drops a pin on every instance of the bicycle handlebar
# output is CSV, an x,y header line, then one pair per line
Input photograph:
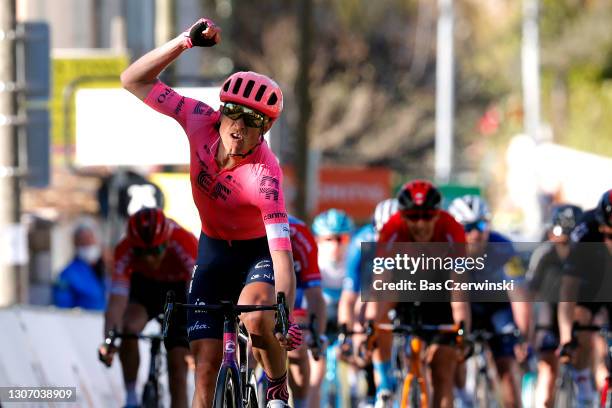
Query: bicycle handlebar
x,y
282,319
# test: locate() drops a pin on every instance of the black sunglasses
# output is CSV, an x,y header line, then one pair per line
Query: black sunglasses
x,y
251,117
416,215
155,251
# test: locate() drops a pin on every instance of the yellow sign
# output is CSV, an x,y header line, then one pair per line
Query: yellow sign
x,y
101,69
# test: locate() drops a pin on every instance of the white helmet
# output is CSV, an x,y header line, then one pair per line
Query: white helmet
x,y
469,208
384,210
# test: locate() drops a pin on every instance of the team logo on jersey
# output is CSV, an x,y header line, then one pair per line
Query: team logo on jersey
x,y
179,106
219,190
269,187
167,92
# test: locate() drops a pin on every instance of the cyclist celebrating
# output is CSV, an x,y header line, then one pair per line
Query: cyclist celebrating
x,y
244,252
156,256
585,270
420,219
350,305
500,317
309,298
544,277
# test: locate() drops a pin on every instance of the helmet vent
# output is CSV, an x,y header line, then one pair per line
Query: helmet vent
x,y
273,98
260,93
249,88
237,86
226,85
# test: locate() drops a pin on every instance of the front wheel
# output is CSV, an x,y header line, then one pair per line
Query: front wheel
x,y
227,389
150,395
250,397
566,393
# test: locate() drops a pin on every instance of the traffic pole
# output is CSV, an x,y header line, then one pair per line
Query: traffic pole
x,y
11,231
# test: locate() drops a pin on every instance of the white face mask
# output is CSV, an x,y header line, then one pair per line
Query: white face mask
x,y
89,253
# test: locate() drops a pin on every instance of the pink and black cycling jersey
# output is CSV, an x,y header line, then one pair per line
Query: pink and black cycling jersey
x,y
241,203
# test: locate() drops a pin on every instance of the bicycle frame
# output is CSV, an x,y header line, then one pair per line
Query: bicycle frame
x,y
232,338
606,393
415,373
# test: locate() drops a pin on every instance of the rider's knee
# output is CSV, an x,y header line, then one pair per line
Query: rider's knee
x,y
258,323
206,371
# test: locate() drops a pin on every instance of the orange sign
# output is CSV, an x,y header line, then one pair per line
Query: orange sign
x,y
355,190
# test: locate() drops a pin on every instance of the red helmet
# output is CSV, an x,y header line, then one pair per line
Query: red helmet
x,y
419,195
255,91
148,228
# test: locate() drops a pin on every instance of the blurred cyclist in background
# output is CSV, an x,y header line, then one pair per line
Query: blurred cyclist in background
x,y
351,311
332,229
544,277
156,256
308,301
584,295
500,317
420,219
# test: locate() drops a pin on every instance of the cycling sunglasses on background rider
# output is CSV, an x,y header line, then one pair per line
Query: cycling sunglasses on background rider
x,y
416,215
251,117
480,226
155,251
339,239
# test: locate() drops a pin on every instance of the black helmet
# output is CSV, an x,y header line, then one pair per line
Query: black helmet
x,y
564,218
603,212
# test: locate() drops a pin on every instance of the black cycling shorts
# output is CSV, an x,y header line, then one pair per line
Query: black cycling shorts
x,y
224,269
151,294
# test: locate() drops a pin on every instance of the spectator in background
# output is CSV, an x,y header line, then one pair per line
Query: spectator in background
x,y
82,282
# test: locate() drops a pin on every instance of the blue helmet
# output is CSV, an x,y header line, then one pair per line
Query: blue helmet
x,y
332,222
564,218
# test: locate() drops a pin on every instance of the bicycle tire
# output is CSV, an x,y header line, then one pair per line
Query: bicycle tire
x,y
565,395
528,389
227,389
150,395
250,394
414,394
482,392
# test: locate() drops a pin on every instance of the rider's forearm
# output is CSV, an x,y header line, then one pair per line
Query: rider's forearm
x,y
522,312
113,317
316,304
346,308
143,73
284,276
566,319
462,314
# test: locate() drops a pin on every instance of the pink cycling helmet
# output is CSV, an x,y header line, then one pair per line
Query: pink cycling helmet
x,y
255,91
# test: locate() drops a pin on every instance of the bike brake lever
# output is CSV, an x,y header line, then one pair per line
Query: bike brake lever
x,y
282,320
168,309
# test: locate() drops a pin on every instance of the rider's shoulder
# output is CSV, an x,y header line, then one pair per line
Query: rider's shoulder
x,y
587,229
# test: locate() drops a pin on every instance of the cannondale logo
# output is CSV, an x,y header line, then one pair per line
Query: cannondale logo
x,y
230,346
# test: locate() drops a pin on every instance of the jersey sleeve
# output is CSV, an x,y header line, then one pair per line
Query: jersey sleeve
x,y
352,280
122,270
186,247
535,270
188,112
310,275
270,201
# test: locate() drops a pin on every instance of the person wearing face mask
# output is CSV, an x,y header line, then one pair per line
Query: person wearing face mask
x,y
82,282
